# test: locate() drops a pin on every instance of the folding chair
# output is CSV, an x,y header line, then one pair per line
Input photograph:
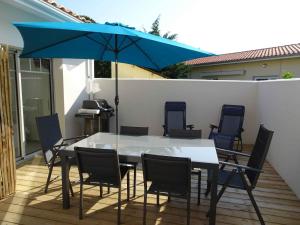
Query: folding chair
x,y
169,176
231,123
103,169
51,142
246,177
175,117
134,131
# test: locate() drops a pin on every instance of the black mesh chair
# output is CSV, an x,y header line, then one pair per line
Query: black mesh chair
x,y
169,176
175,117
246,177
231,123
221,142
189,134
51,141
103,169
134,131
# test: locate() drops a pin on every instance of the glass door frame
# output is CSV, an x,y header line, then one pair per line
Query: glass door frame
x,y
19,99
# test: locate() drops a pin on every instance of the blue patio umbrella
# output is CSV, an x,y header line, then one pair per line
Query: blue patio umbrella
x,y
107,42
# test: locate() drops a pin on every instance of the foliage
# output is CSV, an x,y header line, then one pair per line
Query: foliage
x,y
102,69
179,70
288,75
89,19
176,71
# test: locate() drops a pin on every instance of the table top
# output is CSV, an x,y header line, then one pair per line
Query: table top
x,y
200,151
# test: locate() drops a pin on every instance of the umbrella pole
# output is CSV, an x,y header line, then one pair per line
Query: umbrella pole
x,y
116,85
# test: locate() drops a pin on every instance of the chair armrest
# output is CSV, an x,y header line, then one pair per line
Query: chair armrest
x,y
238,166
127,165
164,126
229,152
190,126
212,126
75,138
57,147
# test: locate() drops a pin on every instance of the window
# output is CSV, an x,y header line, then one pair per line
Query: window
x,y
269,77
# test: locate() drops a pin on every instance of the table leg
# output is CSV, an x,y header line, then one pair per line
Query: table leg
x,y
65,168
213,198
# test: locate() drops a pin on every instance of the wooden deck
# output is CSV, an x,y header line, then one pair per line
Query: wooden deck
x,y
30,206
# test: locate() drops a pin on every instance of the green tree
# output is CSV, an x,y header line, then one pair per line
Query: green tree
x,y
288,75
179,70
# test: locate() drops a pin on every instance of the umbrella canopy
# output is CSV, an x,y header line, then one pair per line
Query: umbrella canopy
x,y
106,42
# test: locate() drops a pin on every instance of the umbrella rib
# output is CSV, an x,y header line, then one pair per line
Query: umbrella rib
x,y
123,40
147,56
104,45
54,44
131,43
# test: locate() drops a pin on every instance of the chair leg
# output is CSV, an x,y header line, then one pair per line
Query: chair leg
x,y
248,189
71,189
134,180
199,187
208,188
188,208
101,191
169,197
225,185
108,189
81,202
119,206
157,198
128,185
241,143
145,207
49,175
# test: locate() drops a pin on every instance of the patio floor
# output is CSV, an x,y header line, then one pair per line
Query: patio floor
x,y
30,206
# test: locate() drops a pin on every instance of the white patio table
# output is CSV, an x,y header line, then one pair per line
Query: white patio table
x,y
202,153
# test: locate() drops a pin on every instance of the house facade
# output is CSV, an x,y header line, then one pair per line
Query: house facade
x,y
33,81
131,71
260,64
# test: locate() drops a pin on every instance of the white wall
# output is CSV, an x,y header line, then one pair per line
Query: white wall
x,y
272,103
142,101
74,92
279,110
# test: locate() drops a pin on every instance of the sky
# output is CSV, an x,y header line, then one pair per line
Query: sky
x,y
218,26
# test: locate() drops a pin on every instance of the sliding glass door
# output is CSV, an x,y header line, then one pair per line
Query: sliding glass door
x,y
31,97
35,79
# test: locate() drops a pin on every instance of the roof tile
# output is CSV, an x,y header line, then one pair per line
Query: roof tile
x,y
66,10
265,53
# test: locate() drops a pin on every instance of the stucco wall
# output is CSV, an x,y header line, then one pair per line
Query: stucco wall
x,y
142,101
259,68
131,71
279,109
273,103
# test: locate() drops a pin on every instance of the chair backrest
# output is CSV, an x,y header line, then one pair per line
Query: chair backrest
x,y
232,119
49,133
102,165
135,131
223,141
167,171
187,134
259,153
175,116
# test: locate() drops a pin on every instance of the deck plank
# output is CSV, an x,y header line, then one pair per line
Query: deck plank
x,y
30,206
